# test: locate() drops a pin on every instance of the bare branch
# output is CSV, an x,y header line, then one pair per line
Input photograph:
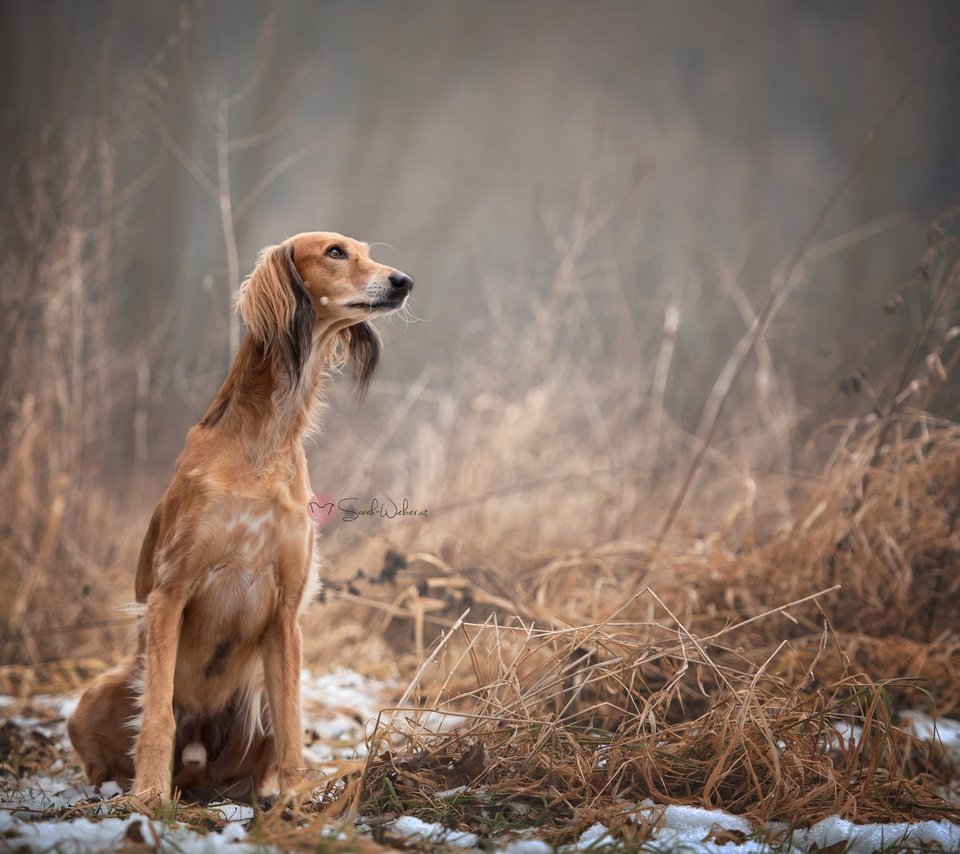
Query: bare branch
x,y
272,175
245,142
226,217
182,157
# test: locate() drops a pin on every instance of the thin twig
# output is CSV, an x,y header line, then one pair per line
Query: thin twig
x,y
226,218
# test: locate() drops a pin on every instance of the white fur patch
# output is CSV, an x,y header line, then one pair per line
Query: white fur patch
x,y
314,582
194,756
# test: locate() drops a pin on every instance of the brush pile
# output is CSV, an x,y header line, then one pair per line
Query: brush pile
x,y
773,682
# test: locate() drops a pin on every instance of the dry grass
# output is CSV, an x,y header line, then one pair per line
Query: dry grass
x,y
722,681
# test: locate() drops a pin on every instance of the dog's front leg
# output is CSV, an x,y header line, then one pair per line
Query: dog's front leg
x,y
281,665
155,744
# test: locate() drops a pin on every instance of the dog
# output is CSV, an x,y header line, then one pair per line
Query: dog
x,y
210,702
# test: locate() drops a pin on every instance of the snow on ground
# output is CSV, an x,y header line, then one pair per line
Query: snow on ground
x,y
944,731
109,834
42,794
866,839
337,708
52,809
415,829
692,830
696,829
30,805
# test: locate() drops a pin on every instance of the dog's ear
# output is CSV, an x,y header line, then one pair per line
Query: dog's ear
x,y
362,344
277,308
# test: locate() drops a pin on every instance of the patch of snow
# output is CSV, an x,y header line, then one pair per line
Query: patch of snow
x,y
689,829
110,789
449,793
63,706
234,832
414,828
234,812
81,835
844,736
943,731
435,721
39,793
867,838
67,706
528,846
595,836
343,688
338,708
317,754
687,818
333,832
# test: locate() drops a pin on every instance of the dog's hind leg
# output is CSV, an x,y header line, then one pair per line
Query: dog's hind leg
x,y
102,728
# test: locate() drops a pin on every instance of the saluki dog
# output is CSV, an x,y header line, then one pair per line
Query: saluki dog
x,y
228,560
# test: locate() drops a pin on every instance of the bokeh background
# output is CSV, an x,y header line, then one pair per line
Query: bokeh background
x,y
596,200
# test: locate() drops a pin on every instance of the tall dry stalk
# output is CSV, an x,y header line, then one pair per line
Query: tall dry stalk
x,y
56,385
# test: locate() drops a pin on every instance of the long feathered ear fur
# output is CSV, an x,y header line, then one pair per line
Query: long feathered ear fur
x,y
362,343
278,310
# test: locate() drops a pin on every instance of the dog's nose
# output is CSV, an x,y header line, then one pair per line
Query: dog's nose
x,y
401,281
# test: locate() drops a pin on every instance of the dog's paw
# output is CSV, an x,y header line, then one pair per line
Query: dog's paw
x,y
295,787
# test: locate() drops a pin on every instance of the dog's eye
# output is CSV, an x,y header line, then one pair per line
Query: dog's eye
x,y
336,252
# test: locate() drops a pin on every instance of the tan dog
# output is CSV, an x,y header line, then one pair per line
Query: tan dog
x,y
228,559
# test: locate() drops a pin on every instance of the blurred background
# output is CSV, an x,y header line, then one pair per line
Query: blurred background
x,y
596,200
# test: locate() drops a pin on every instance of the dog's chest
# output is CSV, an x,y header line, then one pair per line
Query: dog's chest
x,y
255,555
256,551
252,536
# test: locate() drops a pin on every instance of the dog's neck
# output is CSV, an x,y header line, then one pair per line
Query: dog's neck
x,y
264,406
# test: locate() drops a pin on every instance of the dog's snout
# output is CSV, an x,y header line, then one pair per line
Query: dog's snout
x,y
401,281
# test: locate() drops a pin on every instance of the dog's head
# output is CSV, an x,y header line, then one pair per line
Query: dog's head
x,y
321,280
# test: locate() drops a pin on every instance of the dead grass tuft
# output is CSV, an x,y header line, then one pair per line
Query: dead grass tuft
x,y
715,678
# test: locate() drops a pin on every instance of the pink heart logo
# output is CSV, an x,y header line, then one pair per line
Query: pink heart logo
x,y
321,508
